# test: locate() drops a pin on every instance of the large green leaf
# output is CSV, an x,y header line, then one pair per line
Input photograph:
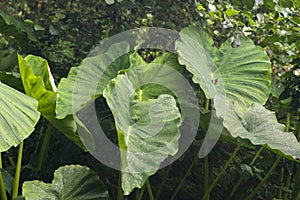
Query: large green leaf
x,y
18,116
87,81
39,84
71,182
259,125
148,131
162,76
242,73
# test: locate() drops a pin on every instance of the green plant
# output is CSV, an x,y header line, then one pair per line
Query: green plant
x,y
235,76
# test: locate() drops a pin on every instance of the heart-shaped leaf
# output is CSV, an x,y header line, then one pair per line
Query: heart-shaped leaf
x,y
162,76
71,182
148,131
18,116
39,84
80,87
259,125
242,73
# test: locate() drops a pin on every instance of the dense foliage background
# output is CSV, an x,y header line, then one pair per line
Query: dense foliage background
x,y
65,32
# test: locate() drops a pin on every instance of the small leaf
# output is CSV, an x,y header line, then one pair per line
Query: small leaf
x,y
200,7
110,2
71,182
295,20
8,180
231,12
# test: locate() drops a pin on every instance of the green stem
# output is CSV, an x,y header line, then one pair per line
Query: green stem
x,y
281,183
120,190
256,155
140,194
211,187
296,188
244,173
255,190
206,162
288,183
287,122
163,183
2,186
206,175
44,148
18,171
184,177
298,197
148,185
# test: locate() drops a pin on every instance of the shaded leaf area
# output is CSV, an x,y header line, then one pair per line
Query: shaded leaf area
x,y
260,126
148,131
87,81
39,84
7,62
18,117
242,73
12,79
70,182
12,27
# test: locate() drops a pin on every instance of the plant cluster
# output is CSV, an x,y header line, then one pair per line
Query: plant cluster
x,y
241,58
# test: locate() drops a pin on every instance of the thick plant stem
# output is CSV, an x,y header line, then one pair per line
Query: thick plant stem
x,y
184,177
244,173
44,147
296,188
18,171
287,183
206,175
120,190
148,185
140,194
281,183
211,187
2,186
163,183
255,190
206,162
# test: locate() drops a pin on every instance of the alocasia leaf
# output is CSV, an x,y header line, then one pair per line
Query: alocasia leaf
x,y
148,131
18,116
39,84
80,87
162,76
259,125
146,117
71,182
242,73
